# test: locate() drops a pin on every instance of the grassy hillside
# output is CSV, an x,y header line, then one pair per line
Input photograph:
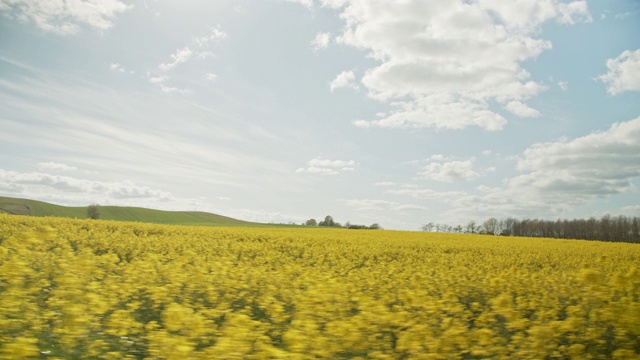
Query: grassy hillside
x,y
39,208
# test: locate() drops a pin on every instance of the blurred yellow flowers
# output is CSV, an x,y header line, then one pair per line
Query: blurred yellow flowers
x,y
110,290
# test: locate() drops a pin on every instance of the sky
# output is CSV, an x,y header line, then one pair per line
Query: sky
x,y
399,113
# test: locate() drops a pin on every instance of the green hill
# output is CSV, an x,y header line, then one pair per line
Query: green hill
x,y
120,213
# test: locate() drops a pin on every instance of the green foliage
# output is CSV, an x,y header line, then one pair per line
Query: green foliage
x,y
17,206
328,221
93,211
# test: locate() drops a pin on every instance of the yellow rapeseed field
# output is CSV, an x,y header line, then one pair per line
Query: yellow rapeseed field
x,y
111,290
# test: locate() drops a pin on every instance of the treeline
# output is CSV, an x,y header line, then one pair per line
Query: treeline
x,y
608,228
329,222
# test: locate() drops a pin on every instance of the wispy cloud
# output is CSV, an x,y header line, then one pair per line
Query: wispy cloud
x,y
211,76
64,17
120,68
178,57
199,48
215,33
381,205
79,186
54,166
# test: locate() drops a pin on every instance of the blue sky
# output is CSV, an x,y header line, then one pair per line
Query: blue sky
x,y
398,113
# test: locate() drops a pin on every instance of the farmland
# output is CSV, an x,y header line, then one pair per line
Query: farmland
x,y
105,289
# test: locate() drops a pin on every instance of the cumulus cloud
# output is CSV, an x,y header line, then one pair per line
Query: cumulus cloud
x,y
323,166
450,171
53,166
29,182
598,164
321,41
65,17
451,55
557,177
623,74
439,110
344,79
522,110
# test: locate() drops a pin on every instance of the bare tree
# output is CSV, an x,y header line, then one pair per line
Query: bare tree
x,y
471,227
490,226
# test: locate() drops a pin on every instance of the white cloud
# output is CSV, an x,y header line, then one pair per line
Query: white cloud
x,y
307,3
440,111
116,67
573,12
594,165
452,55
450,171
323,166
558,176
563,85
205,54
30,182
335,4
215,33
623,74
200,51
211,76
160,81
428,194
120,68
178,57
64,17
632,210
321,41
157,79
520,109
385,183
53,166
344,79
171,89
380,205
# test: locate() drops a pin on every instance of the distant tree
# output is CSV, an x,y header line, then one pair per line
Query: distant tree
x,y
457,229
375,226
328,221
93,211
490,226
311,222
428,227
471,227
